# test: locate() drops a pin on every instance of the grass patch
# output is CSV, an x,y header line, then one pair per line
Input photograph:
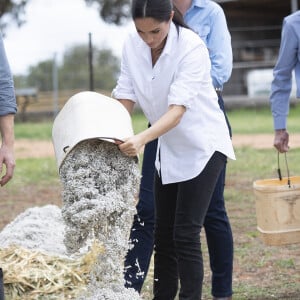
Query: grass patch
x,y
33,131
256,121
34,171
243,121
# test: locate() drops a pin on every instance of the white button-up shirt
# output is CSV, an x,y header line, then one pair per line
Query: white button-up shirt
x,y
181,76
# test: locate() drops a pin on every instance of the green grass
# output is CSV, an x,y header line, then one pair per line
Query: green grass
x,y
37,170
251,164
243,121
255,121
34,171
33,131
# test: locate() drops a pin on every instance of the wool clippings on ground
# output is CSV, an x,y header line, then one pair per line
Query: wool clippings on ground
x,y
100,185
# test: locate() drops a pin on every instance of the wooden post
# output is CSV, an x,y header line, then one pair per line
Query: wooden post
x,y
91,63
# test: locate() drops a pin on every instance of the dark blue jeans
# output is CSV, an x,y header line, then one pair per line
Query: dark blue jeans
x,y
216,225
138,258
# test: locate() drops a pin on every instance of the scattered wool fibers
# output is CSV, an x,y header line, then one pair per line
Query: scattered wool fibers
x,y
100,185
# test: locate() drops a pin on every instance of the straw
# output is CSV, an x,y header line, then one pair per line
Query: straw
x,y
29,274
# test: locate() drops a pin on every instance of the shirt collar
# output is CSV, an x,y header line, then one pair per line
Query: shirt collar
x,y
170,39
198,3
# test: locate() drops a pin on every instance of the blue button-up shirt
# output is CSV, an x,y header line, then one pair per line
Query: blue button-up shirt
x,y
7,95
288,60
207,19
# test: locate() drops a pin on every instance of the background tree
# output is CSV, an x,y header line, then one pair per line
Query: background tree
x,y
73,71
112,11
12,11
106,69
40,76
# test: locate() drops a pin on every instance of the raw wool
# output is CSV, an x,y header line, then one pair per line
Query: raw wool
x,y
112,293
100,185
37,228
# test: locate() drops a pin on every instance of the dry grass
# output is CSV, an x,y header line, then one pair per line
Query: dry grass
x,y
35,275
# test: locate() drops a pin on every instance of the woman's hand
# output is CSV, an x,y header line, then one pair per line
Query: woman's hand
x,y
132,146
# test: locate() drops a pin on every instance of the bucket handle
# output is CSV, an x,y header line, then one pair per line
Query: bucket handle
x,y
287,169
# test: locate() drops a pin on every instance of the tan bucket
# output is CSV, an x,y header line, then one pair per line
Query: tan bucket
x,y
278,210
89,115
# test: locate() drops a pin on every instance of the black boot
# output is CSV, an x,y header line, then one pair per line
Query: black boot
x,y
1,285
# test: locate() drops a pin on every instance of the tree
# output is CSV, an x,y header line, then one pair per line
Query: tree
x,y
40,76
112,11
106,69
74,70
12,11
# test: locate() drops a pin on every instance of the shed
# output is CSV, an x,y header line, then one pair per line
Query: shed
x,y
255,27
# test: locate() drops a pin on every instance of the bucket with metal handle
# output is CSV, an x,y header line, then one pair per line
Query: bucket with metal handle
x,y
277,202
89,115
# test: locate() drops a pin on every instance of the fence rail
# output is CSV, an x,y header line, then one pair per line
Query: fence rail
x,y
45,105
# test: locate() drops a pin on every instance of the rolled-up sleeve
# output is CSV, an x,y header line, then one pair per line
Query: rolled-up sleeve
x,y
189,76
7,95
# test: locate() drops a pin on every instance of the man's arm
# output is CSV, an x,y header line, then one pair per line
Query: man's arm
x,y
220,50
282,85
8,108
7,148
282,82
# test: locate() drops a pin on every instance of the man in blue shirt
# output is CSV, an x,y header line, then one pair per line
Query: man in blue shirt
x,y
288,60
8,109
207,19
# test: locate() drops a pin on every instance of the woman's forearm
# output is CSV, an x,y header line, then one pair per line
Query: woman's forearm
x,y
168,121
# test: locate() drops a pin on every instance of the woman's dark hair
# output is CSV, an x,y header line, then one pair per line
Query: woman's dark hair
x,y
159,10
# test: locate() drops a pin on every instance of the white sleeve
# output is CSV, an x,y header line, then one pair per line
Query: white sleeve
x,y
191,78
124,88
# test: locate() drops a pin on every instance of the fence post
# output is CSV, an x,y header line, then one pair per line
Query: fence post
x,y
55,86
91,63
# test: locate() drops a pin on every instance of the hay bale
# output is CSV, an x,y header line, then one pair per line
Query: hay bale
x,y
32,274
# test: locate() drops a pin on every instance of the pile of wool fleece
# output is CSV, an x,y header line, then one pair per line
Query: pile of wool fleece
x,y
100,185
37,228
35,261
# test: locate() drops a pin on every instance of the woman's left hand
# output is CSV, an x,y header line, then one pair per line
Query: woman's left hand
x,y
132,146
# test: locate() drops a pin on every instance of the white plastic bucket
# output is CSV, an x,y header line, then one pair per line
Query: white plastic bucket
x,y
89,115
